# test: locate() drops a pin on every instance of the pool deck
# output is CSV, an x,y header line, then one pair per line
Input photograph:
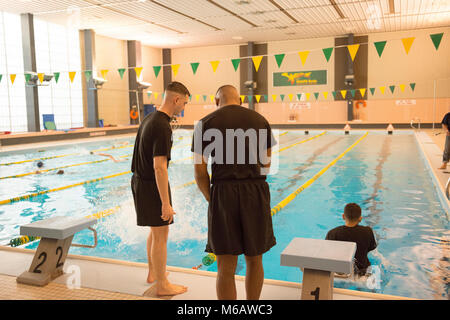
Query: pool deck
x,y
114,279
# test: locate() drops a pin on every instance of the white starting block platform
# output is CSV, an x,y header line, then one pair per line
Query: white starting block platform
x,y
319,259
56,238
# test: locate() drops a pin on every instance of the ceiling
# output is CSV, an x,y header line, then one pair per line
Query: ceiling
x,y
191,23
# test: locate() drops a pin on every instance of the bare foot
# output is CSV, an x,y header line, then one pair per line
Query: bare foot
x,y
170,289
151,278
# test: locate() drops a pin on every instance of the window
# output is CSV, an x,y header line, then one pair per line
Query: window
x,y
58,50
13,112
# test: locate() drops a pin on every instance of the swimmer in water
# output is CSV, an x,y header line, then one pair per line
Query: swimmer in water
x,y
109,156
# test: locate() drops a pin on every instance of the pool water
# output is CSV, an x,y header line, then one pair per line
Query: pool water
x,y
386,175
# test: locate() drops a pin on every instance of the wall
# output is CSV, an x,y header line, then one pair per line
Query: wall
x,y
113,103
152,57
422,65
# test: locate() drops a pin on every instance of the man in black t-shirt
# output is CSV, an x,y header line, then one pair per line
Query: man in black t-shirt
x,y
446,156
150,183
239,142
353,232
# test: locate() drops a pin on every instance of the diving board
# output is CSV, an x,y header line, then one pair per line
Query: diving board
x,y
56,238
319,260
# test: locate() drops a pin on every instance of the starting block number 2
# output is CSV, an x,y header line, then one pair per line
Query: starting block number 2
x,y
43,255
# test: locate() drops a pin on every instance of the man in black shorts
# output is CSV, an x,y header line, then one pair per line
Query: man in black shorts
x,y
239,219
150,183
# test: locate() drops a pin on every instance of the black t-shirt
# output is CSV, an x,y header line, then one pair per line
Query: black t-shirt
x,y
154,138
446,121
364,238
247,130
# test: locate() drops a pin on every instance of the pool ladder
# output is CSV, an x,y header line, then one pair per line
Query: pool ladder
x,y
417,120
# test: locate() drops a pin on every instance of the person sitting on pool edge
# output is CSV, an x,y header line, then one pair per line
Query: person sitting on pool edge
x,y
362,235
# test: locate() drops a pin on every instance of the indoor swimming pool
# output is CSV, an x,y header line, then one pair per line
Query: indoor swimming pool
x,y
386,175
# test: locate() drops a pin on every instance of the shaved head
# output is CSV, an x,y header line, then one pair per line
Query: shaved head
x,y
227,95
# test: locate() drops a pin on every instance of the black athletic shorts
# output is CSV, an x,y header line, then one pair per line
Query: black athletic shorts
x,y
239,219
148,202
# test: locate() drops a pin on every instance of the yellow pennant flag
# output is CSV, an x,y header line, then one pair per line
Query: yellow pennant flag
x,y
155,94
175,68
363,92
257,62
197,96
274,97
291,96
104,72
343,93
303,55
138,71
402,87
214,65
212,98
382,89
242,98
12,77
352,49
41,77
325,94
72,75
407,43
307,96
258,97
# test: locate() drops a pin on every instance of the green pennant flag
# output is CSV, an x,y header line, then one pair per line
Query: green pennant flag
x,y
334,94
266,97
380,47
1,76
121,72
299,96
436,38
149,94
88,74
156,70
236,63
194,66
282,97
412,85
352,92
190,97
316,94
279,58
392,88
27,77
327,52
204,97
372,90
250,98
56,76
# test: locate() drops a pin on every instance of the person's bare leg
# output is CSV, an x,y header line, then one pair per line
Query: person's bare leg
x,y
444,166
150,277
254,277
225,284
151,272
159,260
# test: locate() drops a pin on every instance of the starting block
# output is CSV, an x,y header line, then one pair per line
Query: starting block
x,y
319,260
56,238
